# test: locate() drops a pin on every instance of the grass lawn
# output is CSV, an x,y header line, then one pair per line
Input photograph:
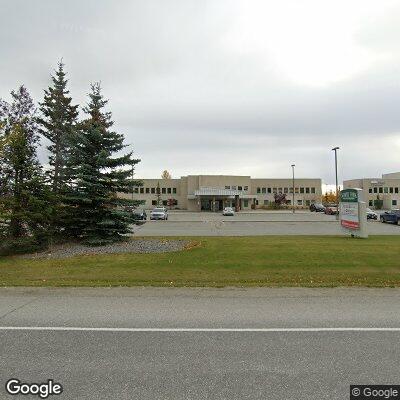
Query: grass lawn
x,y
225,261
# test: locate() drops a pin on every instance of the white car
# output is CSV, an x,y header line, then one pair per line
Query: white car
x,y
159,213
228,211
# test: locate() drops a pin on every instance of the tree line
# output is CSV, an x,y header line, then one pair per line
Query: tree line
x,y
74,195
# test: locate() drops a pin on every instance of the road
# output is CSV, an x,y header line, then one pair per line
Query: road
x,y
171,343
253,223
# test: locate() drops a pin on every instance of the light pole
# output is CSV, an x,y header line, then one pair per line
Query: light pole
x,y
335,149
293,165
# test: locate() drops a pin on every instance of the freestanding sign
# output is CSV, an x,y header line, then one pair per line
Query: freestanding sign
x,y
353,213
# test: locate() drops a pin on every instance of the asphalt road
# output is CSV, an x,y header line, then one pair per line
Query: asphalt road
x,y
127,349
252,224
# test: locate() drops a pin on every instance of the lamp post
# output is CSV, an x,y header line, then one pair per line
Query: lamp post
x,y
293,165
335,149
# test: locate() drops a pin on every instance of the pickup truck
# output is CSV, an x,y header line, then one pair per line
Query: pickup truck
x,y
391,216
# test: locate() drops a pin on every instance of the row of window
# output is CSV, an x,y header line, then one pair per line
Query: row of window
x,y
385,189
286,190
245,188
288,202
153,190
372,203
165,203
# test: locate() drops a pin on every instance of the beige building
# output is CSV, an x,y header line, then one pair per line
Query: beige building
x,y
214,192
386,188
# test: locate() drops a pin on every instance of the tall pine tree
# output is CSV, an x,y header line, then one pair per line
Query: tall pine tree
x,y
99,173
23,195
57,123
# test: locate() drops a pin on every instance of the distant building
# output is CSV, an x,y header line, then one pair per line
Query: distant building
x,y
214,192
386,189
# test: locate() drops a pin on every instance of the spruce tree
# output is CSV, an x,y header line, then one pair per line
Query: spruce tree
x,y
24,202
99,172
57,123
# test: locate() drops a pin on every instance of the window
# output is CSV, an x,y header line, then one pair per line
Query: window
x,y
274,190
256,202
375,190
308,202
371,203
296,190
147,190
266,202
141,190
154,202
285,190
280,190
289,202
246,188
396,190
163,190
307,190
370,190
290,190
264,190
386,189
301,190
394,202
165,202
174,190
313,190
169,191
258,190
381,190
390,190
227,187
240,188
299,202
233,187
245,203
268,190
153,190
136,190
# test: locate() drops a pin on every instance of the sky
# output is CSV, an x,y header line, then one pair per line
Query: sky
x,y
241,87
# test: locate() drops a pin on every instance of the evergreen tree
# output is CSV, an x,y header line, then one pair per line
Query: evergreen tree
x,y
24,203
99,173
57,123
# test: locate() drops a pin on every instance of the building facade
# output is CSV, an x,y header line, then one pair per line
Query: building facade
x,y
385,190
214,192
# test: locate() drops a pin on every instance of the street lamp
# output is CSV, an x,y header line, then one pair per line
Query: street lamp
x,y
335,149
293,165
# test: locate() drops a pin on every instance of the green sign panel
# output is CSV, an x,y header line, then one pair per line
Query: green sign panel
x,y
349,196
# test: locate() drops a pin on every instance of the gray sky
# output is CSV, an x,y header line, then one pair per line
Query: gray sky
x,y
225,87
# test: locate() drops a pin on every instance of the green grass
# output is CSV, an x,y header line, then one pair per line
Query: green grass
x,y
225,261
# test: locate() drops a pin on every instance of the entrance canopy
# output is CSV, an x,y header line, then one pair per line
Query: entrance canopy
x,y
215,192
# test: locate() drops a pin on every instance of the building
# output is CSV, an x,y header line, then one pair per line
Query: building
x,y
379,192
214,192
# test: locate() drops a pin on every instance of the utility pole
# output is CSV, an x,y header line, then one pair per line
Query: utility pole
x,y
293,165
335,149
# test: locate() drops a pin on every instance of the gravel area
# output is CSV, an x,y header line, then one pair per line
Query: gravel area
x,y
129,246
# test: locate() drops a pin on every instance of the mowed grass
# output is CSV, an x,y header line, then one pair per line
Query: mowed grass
x,y
225,261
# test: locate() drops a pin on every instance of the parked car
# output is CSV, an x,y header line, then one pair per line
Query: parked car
x,y
159,213
317,207
228,211
391,216
139,214
371,214
331,210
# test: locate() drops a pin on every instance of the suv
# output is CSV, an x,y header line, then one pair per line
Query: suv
x,y
159,213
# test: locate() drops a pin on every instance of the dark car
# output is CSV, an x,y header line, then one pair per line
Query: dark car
x,y
317,207
139,214
391,216
331,210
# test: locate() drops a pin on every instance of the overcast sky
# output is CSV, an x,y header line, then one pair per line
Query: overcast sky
x,y
225,87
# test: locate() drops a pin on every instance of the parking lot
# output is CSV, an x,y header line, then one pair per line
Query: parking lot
x,y
183,223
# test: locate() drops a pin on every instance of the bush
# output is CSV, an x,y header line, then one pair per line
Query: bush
x,y
26,244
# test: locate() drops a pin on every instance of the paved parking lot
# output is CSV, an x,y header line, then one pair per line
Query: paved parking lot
x,y
181,223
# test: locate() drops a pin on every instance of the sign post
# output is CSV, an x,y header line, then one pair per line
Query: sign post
x,y
353,213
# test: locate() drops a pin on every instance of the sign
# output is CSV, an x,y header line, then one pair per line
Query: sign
x,y
349,210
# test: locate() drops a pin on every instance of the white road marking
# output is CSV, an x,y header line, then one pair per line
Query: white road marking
x,y
105,329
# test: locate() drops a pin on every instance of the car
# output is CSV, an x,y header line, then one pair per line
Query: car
x,y
228,211
331,210
391,216
371,214
159,213
317,207
139,214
